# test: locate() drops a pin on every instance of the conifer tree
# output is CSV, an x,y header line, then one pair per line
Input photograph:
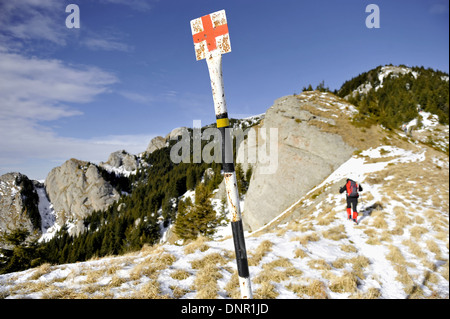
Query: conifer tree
x,y
184,223
198,218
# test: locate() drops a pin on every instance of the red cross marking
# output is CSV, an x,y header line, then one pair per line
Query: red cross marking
x,y
210,33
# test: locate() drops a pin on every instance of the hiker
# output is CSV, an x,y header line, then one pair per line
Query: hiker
x,y
405,129
352,188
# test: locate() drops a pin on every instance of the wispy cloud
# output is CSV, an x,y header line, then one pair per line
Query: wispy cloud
x,y
106,44
22,22
32,20
36,89
138,5
137,97
108,39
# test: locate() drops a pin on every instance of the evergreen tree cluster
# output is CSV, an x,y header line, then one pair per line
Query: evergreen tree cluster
x,y
320,87
21,255
401,96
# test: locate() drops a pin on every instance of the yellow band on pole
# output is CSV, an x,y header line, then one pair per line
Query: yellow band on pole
x,y
223,122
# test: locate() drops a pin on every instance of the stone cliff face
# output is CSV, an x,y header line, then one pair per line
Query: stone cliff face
x,y
307,153
76,189
18,205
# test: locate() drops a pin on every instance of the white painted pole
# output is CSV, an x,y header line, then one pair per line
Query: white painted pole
x,y
211,40
214,62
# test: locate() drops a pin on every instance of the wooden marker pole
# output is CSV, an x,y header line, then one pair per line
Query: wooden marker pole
x,y
211,40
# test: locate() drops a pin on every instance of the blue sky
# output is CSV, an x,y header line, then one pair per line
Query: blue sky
x,y
129,72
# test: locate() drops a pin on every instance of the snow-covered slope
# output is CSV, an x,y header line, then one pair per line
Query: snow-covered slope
x,y
399,249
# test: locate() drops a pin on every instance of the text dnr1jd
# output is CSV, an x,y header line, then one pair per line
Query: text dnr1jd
x,y
255,309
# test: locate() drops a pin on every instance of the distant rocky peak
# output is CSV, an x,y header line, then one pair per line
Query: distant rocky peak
x,y
121,162
76,189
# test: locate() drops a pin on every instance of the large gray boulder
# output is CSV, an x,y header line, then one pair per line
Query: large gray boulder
x,y
76,189
306,155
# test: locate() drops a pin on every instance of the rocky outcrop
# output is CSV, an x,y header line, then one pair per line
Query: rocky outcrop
x,y
306,154
173,135
18,205
76,189
156,144
121,163
159,142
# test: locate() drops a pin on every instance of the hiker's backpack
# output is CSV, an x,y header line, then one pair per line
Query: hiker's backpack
x,y
352,189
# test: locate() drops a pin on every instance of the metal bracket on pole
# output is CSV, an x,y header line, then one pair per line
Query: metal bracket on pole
x,y
211,40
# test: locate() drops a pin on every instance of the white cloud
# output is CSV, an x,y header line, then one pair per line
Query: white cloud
x,y
33,91
37,89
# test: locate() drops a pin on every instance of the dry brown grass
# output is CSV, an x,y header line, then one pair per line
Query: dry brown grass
x,y
300,253
263,248
319,264
327,219
444,271
395,255
178,292
315,290
205,282
374,240
151,266
400,265
371,293
417,231
335,233
272,272
266,291
180,274
200,243
148,249
63,293
401,220
150,290
41,270
378,220
438,221
209,259
349,248
117,281
358,264
414,248
434,248
348,282
306,238
232,286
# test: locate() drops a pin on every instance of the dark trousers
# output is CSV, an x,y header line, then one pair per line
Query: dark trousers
x,y
352,202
